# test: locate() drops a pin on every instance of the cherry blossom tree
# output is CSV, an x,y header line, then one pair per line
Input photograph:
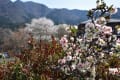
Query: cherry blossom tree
x,y
92,56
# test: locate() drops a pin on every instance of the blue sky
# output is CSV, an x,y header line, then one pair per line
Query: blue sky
x,y
74,4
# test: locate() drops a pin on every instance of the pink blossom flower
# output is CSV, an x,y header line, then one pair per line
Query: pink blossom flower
x,y
62,61
73,46
77,51
107,30
97,25
65,46
63,40
118,40
74,57
80,65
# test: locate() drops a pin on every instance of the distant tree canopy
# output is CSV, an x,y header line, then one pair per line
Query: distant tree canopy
x,y
44,28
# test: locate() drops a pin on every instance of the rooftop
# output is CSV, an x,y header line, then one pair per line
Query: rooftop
x,y
110,21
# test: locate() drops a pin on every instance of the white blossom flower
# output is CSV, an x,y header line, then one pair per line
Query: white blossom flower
x,y
68,53
83,70
118,31
118,42
89,25
101,20
65,36
101,42
72,38
69,58
101,55
76,27
73,66
70,49
68,29
90,58
98,4
111,53
79,40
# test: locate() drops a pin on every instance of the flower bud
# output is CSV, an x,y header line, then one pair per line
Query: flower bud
x,y
113,11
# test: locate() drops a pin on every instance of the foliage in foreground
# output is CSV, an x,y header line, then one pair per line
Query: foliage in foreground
x,y
34,62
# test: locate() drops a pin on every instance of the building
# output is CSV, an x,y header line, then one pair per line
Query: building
x,y
111,22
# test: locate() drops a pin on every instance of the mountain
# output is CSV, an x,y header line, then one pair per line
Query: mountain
x,y
60,16
18,12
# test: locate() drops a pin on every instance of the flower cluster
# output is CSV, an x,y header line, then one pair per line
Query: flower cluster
x,y
83,55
